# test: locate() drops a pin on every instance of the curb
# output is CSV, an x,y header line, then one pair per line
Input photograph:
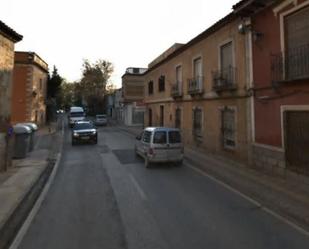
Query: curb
x,y
15,227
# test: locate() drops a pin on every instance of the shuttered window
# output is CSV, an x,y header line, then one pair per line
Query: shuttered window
x,y
228,128
197,122
297,29
178,118
297,45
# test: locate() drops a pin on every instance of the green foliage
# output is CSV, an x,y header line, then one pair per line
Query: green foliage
x,y
93,85
54,84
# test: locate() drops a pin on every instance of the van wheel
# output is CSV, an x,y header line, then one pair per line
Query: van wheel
x,y
147,163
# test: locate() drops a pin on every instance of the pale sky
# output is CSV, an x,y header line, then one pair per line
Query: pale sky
x,y
129,33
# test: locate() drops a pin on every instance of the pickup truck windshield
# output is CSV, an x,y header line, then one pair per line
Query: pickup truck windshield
x,y
76,114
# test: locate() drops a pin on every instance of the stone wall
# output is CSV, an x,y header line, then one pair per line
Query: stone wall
x,y
6,68
269,158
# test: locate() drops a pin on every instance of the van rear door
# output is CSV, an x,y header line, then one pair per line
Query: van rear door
x,y
160,146
175,151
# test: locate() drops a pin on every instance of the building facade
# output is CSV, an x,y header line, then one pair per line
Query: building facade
x,y
29,88
202,88
133,96
8,38
280,52
118,103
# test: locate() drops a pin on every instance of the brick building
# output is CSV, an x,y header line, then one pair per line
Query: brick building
x,y
29,88
8,38
133,96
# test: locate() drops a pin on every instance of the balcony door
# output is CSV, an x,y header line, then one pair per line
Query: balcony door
x,y
178,78
226,64
297,44
198,71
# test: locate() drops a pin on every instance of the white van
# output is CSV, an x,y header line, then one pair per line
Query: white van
x,y
160,145
77,113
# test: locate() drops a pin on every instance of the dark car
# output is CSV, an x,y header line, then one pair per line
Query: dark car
x,y
84,131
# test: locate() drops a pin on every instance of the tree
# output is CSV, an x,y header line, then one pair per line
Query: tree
x,y
92,87
54,84
67,95
53,94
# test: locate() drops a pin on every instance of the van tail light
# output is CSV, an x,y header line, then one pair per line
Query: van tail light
x,y
151,151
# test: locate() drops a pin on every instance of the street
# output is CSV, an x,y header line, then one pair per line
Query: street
x,y
104,197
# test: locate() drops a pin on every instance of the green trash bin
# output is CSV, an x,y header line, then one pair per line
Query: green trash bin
x,y
22,140
33,128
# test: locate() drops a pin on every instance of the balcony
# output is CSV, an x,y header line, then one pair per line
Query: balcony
x,y
195,85
224,79
176,90
290,65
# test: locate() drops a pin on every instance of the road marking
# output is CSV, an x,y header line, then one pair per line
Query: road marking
x,y
27,223
265,209
138,187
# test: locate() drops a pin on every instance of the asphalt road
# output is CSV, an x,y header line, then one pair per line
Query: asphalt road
x,y
104,197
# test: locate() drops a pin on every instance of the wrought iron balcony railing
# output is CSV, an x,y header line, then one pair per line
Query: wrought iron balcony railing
x,y
290,65
225,79
195,85
176,90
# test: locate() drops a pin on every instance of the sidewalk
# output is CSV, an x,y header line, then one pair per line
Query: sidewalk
x,y
288,197
23,182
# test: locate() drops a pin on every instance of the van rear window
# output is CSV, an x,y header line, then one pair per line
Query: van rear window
x,y
159,137
174,137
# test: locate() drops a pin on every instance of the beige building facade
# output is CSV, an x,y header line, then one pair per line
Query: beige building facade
x,y
8,38
29,89
202,88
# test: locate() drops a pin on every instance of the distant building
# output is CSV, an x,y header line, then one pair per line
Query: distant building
x,y
118,105
109,104
8,37
29,88
133,96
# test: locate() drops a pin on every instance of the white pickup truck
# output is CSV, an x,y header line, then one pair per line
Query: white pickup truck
x,y
76,114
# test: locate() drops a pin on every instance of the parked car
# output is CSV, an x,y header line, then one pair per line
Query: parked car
x,y
84,131
100,119
160,145
77,113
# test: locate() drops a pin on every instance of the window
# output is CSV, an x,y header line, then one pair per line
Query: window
x,y
146,137
150,117
178,118
226,64
197,122
197,68
174,137
161,82
150,87
41,84
135,70
159,137
297,44
228,128
161,115
178,74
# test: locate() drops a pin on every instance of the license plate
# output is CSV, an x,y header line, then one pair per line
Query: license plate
x,y
85,138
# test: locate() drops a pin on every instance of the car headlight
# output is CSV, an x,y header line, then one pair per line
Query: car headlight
x,y
94,132
75,134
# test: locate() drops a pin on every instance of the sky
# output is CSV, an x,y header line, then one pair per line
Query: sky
x,y
128,33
